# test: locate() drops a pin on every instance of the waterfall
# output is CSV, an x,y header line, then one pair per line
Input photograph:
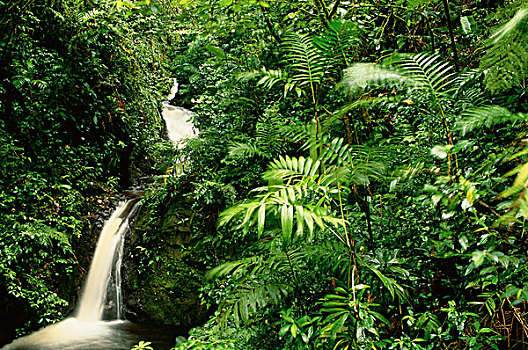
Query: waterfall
x,y
109,247
86,330
178,125
177,119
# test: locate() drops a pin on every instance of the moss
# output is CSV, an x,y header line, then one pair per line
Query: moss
x,y
162,274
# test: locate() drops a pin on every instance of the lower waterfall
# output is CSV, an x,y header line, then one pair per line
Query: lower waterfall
x,y
108,254
88,328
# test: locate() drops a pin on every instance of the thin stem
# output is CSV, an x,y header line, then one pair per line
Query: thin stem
x,y
451,35
352,262
270,25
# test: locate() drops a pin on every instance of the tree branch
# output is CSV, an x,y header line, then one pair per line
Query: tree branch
x,y
334,9
320,5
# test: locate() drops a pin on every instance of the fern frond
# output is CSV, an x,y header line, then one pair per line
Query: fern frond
x,y
487,117
360,75
247,299
511,27
306,62
239,149
395,289
421,71
19,81
338,41
232,267
274,283
90,15
429,72
506,60
271,77
285,169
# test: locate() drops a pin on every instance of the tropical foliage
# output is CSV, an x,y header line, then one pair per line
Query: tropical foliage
x,y
358,182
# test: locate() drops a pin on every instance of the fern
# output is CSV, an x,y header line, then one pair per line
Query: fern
x,y
421,71
488,116
276,280
19,81
299,183
302,192
267,142
361,75
307,64
245,150
506,59
246,300
338,41
430,73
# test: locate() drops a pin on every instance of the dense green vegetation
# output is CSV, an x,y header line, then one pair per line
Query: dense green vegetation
x,y
80,87
358,182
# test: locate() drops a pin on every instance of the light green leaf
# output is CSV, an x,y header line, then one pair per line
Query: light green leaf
x,y
218,52
439,151
478,257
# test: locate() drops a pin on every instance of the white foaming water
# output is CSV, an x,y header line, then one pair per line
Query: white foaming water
x,y
177,119
93,299
87,330
178,123
70,333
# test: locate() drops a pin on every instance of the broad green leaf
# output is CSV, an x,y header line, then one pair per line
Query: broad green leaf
x,y
261,218
287,222
293,330
218,52
478,257
439,151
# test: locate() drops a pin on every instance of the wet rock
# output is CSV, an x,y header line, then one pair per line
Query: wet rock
x,y
160,279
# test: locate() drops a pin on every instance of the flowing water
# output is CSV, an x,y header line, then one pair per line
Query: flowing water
x,y
177,119
87,329
97,323
178,125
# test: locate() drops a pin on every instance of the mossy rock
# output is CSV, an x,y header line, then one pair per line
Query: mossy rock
x,y
162,278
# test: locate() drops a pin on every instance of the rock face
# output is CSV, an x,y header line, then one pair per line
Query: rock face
x,y
161,270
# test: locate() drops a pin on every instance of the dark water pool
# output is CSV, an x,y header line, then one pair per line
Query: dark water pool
x,y
72,334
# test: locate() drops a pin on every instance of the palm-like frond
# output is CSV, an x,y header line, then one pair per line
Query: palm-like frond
x,y
511,27
421,71
363,163
291,206
338,41
247,299
486,117
243,150
386,266
20,81
429,72
265,144
274,283
306,62
269,78
360,75
302,191
506,59
278,261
